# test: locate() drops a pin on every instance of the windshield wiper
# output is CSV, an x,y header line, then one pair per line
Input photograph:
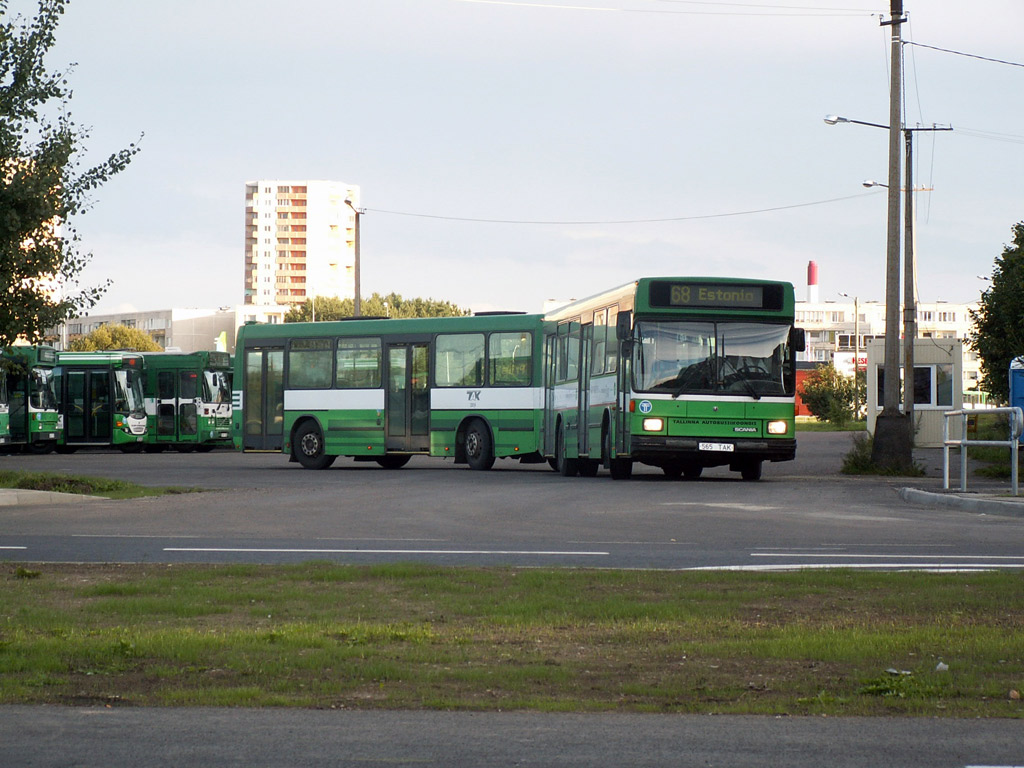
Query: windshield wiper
x,y
746,384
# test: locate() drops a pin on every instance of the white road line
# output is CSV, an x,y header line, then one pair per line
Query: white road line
x,y
885,557
13,547
930,567
384,551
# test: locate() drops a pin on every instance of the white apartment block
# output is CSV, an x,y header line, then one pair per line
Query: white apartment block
x,y
299,240
834,331
179,330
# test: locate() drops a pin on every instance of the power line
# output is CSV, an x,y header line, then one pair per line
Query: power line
x,y
968,55
622,221
768,10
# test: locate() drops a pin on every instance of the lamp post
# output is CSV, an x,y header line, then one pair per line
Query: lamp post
x,y
856,351
356,309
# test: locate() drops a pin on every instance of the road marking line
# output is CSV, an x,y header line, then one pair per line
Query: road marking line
x,y
13,547
269,550
880,557
932,568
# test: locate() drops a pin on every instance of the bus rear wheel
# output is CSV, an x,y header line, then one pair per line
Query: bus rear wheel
x,y
309,447
479,452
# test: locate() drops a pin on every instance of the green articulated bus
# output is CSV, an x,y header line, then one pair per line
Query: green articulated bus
x,y
188,400
679,373
383,390
101,400
29,416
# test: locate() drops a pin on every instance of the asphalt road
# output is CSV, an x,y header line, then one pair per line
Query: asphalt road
x,y
140,738
261,508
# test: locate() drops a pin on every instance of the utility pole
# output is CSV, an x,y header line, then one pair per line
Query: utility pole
x,y
356,303
909,281
892,448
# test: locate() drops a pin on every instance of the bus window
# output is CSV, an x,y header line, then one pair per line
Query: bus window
x,y
611,348
600,340
310,363
459,360
41,394
511,359
358,363
216,387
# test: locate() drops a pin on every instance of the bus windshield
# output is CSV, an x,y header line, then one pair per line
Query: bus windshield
x,y
41,396
680,357
216,387
129,397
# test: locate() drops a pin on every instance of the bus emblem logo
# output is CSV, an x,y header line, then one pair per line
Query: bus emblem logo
x,y
473,395
645,406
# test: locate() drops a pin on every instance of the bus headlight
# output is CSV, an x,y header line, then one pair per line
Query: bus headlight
x,y
654,425
777,427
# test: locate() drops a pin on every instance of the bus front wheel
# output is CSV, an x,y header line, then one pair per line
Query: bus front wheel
x,y
479,452
309,447
751,470
620,469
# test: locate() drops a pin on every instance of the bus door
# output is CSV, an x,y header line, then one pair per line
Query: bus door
x,y
407,405
586,344
550,378
88,414
177,412
263,399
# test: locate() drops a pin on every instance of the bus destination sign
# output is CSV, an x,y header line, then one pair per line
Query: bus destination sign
x,y
673,294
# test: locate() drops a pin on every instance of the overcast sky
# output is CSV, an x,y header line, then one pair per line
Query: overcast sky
x,y
465,123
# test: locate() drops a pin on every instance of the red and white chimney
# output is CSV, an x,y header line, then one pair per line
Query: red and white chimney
x,y
812,282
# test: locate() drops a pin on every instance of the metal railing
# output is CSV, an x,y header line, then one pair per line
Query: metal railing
x,y
1016,427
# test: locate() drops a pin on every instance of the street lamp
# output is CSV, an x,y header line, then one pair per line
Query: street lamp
x,y
897,445
356,309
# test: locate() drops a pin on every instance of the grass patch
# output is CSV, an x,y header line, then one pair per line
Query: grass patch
x,y
860,462
88,486
415,637
813,425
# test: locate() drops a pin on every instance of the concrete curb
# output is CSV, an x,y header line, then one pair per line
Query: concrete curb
x,y
969,503
16,497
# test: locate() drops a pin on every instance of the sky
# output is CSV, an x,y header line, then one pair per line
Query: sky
x,y
513,152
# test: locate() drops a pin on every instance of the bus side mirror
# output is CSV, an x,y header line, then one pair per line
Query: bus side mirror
x,y
624,326
797,340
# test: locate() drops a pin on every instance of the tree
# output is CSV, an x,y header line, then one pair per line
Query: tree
x,y
115,337
392,305
828,395
41,185
998,335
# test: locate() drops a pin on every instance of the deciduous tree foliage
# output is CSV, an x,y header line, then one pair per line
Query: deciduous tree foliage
x,y
115,337
41,184
828,394
998,335
392,305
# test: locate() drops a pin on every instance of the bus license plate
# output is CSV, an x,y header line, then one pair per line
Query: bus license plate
x,y
723,447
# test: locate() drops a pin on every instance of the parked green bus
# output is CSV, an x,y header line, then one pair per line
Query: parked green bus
x,y
383,390
188,400
681,373
28,414
101,400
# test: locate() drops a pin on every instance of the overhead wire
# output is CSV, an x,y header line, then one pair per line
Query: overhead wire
x,y
968,55
621,221
766,10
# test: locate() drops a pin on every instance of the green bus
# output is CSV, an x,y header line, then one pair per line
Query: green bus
x,y
680,373
383,390
29,415
188,400
100,397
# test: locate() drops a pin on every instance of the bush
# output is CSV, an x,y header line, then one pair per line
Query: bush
x,y
828,395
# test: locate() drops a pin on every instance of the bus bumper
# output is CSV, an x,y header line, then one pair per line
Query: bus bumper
x,y
657,449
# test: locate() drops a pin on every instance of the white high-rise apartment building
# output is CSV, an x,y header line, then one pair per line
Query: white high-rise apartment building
x,y
299,240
